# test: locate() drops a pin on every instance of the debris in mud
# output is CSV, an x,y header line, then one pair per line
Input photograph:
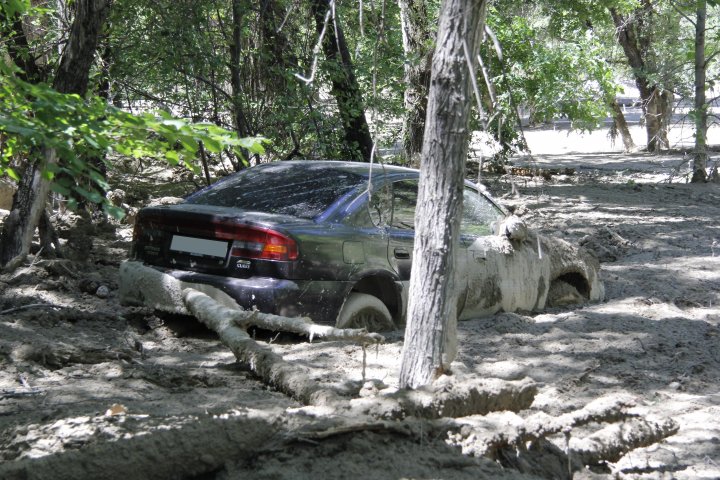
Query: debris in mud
x,y
606,244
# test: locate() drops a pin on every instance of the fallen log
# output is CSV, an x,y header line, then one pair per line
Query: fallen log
x,y
301,326
262,361
487,425
521,443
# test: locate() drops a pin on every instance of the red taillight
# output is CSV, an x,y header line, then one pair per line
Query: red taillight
x,y
258,242
247,241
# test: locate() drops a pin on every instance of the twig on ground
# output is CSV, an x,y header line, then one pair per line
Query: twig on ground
x,y
27,307
20,392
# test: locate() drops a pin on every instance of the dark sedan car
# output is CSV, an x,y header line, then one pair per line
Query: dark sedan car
x,y
334,241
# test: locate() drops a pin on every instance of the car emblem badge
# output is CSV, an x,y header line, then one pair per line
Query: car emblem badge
x,y
243,264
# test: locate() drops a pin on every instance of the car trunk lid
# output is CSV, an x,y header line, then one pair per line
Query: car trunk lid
x,y
215,240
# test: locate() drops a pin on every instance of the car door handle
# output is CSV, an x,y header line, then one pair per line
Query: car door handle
x,y
401,253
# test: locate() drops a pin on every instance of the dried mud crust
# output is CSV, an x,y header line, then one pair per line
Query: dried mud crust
x,y
83,378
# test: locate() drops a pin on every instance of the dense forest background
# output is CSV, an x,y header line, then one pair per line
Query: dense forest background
x,y
220,84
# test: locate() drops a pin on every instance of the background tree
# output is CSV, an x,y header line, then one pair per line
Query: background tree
x,y
51,136
703,64
72,76
345,87
417,34
635,35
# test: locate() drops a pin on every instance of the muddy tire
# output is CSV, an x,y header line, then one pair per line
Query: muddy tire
x,y
361,310
562,293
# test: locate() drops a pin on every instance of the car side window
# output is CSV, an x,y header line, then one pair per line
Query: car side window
x,y
479,214
380,205
404,200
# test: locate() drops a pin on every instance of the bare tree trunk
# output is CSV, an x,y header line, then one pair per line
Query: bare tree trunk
x,y
416,38
621,127
700,158
430,336
241,125
345,86
72,77
631,36
18,48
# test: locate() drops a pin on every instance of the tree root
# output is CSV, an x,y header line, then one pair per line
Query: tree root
x,y
615,440
521,443
478,417
449,397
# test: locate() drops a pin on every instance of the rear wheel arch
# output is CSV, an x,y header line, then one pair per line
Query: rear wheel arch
x,y
385,288
568,288
577,280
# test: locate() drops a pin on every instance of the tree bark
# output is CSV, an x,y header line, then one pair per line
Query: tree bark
x,y
72,77
18,48
418,57
700,155
430,336
345,87
621,126
241,125
632,37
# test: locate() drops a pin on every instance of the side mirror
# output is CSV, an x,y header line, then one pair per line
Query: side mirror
x,y
514,228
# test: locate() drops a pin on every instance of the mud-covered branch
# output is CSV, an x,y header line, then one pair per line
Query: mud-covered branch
x,y
262,361
302,326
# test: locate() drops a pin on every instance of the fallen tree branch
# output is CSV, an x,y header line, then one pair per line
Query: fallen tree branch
x,y
21,392
262,361
445,397
303,326
28,307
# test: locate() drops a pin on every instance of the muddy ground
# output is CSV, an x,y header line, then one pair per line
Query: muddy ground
x,y
80,372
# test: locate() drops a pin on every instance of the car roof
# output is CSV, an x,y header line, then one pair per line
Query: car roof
x,y
358,168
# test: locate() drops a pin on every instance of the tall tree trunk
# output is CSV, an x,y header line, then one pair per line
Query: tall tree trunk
x,y
621,126
634,42
72,77
700,154
241,125
280,61
430,336
418,57
18,48
345,87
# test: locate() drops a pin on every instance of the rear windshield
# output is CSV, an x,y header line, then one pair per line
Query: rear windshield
x,y
299,190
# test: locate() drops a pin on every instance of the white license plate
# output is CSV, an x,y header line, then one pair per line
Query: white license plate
x,y
199,246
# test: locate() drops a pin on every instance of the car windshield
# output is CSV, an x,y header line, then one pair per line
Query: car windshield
x,y
303,191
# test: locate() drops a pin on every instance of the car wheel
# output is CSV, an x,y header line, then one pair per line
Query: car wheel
x,y
361,310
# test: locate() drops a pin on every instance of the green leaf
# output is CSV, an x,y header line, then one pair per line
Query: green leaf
x,y
172,157
116,212
91,195
11,173
57,188
212,145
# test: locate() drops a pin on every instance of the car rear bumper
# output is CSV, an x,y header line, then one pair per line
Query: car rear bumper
x,y
161,288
